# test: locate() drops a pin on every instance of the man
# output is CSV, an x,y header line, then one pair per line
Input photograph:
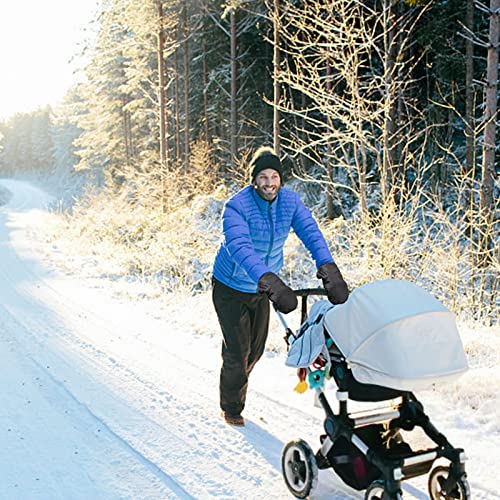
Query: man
x,y
255,224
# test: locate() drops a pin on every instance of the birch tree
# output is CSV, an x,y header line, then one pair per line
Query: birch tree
x,y
347,58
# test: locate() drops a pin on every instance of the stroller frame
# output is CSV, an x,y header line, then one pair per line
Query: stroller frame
x,y
300,465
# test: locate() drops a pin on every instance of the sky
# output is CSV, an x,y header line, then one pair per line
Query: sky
x,y
38,39
110,392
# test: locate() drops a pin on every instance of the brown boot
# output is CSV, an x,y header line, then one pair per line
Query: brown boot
x,y
236,420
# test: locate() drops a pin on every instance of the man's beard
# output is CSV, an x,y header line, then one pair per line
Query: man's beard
x,y
268,195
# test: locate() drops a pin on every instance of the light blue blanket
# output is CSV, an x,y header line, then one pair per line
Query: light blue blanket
x,y
310,339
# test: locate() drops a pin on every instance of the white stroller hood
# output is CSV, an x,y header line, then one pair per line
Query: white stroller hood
x,y
395,334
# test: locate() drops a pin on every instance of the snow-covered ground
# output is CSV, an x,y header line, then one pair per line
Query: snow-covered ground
x,y
107,397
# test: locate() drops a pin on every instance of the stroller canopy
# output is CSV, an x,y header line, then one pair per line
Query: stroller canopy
x,y
395,334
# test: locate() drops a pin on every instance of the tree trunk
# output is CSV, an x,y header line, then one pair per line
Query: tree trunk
x,y
187,135
234,89
127,131
486,195
389,157
490,105
401,96
277,85
469,94
205,86
160,49
333,210
177,98
363,183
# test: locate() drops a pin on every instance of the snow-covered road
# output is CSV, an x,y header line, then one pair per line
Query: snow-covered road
x,y
107,398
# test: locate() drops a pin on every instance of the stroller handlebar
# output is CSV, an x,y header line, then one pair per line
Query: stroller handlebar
x,y
306,292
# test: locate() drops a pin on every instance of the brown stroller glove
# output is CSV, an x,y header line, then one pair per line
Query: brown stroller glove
x,y
279,294
335,286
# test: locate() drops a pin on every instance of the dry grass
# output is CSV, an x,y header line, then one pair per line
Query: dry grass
x,y
165,231
126,230
420,241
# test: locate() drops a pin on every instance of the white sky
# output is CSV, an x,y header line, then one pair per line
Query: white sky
x,y
38,38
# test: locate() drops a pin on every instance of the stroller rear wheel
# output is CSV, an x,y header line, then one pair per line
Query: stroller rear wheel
x,y
437,486
299,467
376,491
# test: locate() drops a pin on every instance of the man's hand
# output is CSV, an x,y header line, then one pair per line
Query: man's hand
x,y
278,293
335,286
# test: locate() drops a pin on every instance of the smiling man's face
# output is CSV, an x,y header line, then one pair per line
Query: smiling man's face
x,y
268,184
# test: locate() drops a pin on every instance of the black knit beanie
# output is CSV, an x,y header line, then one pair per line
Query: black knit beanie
x,y
264,160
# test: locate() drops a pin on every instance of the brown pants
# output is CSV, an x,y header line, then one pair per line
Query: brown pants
x,y
244,320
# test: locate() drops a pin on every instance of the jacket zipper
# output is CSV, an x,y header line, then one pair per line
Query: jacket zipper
x,y
271,240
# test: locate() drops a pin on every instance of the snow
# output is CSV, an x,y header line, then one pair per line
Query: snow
x,y
104,396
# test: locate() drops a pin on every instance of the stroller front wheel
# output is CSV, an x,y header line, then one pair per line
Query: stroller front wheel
x,y
439,490
299,467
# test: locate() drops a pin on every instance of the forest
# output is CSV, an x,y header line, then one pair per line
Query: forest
x,y
383,111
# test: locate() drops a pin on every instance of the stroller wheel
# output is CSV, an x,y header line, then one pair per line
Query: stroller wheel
x,y
376,491
437,486
299,467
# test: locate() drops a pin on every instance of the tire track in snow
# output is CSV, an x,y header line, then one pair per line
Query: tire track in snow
x,y
168,480
66,408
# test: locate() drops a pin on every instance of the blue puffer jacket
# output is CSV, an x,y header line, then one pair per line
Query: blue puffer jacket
x,y
254,233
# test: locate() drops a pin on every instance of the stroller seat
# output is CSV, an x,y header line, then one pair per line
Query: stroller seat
x,y
358,391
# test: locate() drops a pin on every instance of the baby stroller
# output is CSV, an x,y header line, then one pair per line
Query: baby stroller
x,y
388,340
